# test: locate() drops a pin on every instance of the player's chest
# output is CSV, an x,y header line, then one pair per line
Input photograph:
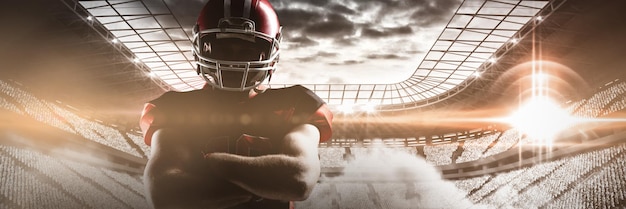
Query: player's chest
x,y
242,130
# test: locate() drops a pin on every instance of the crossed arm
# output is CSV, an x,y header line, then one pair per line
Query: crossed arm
x,y
290,175
173,180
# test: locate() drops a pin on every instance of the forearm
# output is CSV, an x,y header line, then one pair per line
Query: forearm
x,y
279,177
169,189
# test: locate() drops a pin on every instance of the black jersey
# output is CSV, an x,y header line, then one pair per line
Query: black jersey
x,y
227,122
270,114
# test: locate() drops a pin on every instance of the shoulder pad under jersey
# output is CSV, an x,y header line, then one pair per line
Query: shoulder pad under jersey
x,y
306,102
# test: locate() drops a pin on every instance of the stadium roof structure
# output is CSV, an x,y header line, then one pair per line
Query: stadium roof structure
x,y
477,35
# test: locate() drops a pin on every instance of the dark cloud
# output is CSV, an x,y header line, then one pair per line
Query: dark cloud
x,y
306,59
316,57
435,5
374,33
311,2
302,41
296,19
317,2
352,62
315,24
401,30
415,51
186,11
436,12
385,56
366,5
347,62
327,54
341,9
326,19
427,12
345,42
334,25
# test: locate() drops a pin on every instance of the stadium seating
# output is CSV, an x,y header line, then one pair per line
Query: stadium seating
x,y
33,178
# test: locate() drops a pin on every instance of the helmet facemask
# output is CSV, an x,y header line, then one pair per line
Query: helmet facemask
x,y
234,56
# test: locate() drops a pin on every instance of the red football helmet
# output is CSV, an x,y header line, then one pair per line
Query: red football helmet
x,y
236,43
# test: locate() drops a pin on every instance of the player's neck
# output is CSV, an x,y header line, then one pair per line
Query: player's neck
x,y
235,95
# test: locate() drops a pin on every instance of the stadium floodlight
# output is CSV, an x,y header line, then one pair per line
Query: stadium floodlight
x,y
90,18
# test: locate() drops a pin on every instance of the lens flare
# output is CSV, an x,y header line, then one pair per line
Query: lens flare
x,y
540,118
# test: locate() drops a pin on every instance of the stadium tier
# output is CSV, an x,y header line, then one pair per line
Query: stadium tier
x,y
33,177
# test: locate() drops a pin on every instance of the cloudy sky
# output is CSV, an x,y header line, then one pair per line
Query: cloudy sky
x,y
357,41
349,41
324,41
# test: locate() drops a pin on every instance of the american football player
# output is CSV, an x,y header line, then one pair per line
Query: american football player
x,y
234,143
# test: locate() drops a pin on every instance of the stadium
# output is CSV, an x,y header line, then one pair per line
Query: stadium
x,y
516,104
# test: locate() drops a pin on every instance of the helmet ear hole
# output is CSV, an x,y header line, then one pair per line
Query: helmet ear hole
x,y
279,35
248,26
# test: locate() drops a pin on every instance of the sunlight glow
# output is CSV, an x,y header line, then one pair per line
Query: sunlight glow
x,y
346,108
368,108
541,118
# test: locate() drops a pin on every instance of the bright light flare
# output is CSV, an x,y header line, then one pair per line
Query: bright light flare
x,y
369,108
541,118
346,108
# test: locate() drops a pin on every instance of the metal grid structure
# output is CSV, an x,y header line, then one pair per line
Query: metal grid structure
x,y
477,34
